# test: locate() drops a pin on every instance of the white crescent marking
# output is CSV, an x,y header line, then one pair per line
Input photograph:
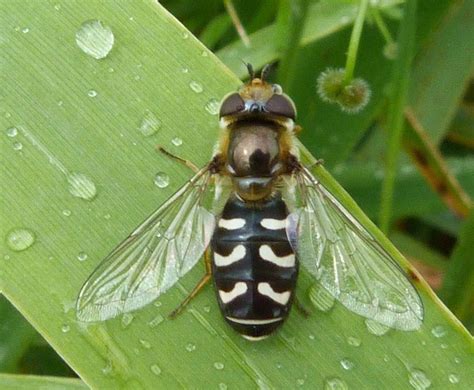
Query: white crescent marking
x,y
255,338
238,253
240,288
266,253
254,322
264,288
273,224
232,224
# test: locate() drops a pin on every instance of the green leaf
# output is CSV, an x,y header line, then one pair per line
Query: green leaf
x,y
32,382
156,67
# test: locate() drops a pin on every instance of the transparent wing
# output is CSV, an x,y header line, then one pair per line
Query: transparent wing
x,y
348,261
146,264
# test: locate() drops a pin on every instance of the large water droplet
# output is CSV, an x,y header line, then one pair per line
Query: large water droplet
x,y
190,347
127,319
354,341
418,379
20,239
219,366
453,378
176,141
81,186
145,344
438,331
25,30
376,328
17,146
150,124
196,87
82,256
156,321
92,93
335,384
212,106
12,132
155,369
347,364
95,39
321,298
162,179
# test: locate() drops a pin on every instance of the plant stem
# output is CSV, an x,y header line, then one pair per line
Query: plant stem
x,y
354,42
229,6
381,25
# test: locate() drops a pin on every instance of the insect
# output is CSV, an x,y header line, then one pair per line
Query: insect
x,y
268,214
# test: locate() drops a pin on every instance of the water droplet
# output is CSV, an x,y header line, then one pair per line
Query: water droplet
x,y
185,35
311,337
81,186
65,328
126,320
207,308
12,132
67,212
162,180
17,146
150,124
25,30
376,328
347,364
82,256
386,358
190,347
219,366
156,321
196,87
136,77
212,106
107,369
95,39
444,346
57,7
335,384
176,141
111,70
204,53
184,70
438,331
457,360
300,382
321,298
222,386
418,379
107,216
92,93
453,378
354,341
20,239
157,304
145,344
155,369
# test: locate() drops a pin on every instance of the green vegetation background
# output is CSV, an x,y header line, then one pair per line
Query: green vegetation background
x,y
174,74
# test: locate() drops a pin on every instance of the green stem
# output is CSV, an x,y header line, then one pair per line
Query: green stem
x,y
354,42
381,25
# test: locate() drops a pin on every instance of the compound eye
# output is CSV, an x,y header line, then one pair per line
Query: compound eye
x,y
232,104
282,106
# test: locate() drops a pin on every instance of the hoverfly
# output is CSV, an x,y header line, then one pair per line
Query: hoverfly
x,y
275,215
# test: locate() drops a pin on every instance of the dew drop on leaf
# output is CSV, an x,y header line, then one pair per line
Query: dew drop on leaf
x,y
196,87
354,341
190,347
223,386
81,186
149,124
145,344
438,331
66,212
335,384
155,369
17,146
418,379
321,298
212,106
126,320
453,378
162,180
95,39
376,328
219,366
82,256
20,239
347,364
12,132
92,93
176,141
65,328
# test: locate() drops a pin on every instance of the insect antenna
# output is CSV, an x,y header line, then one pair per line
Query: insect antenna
x,y
250,70
265,71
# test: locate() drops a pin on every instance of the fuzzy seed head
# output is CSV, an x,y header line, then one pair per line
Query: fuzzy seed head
x,y
330,84
354,96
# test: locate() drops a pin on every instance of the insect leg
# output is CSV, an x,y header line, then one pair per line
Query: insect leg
x,y
188,163
198,287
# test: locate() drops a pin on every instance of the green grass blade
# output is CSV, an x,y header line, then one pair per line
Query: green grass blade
x,y
33,382
62,130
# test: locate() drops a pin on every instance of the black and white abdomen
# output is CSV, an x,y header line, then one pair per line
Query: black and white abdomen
x,y
254,266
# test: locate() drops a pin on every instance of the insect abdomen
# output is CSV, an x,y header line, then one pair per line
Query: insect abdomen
x,y
254,266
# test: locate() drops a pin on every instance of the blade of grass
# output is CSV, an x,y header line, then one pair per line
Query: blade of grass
x,y
399,89
99,136
32,382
